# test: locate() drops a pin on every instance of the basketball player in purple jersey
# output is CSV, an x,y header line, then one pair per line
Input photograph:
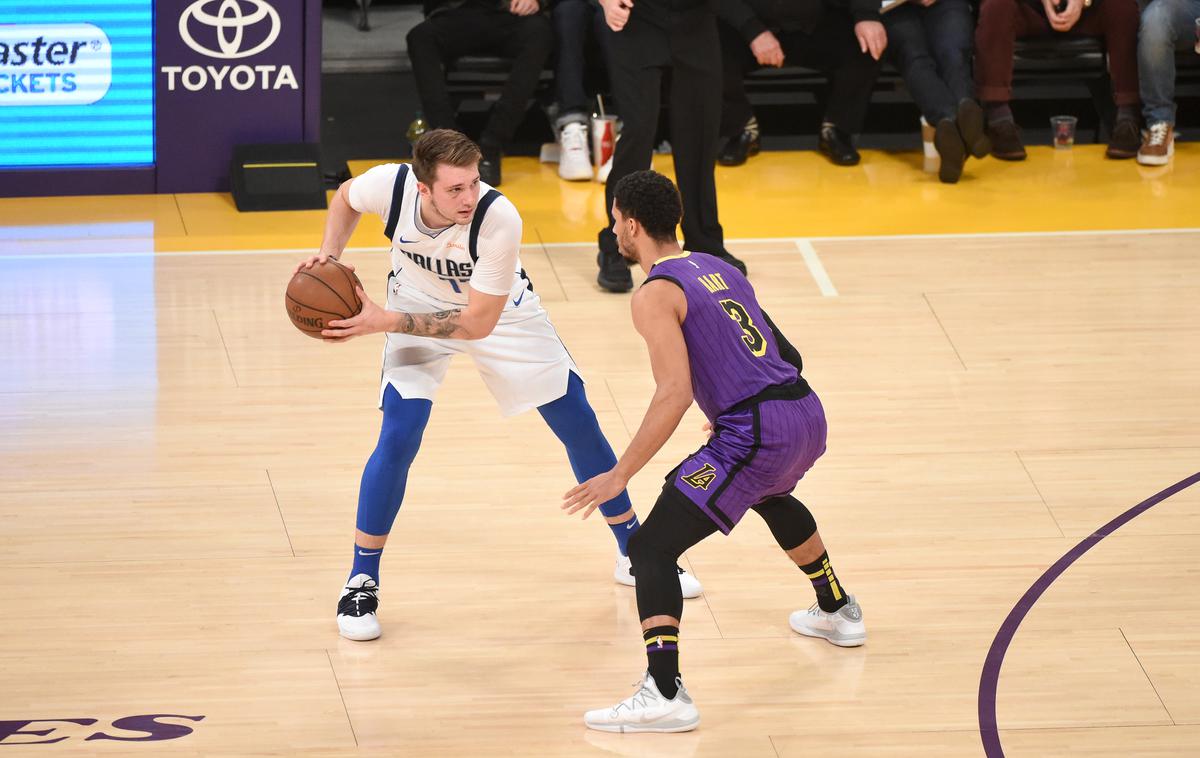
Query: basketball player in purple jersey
x,y
709,340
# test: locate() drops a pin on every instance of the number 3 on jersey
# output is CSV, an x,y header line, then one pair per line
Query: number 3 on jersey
x,y
751,336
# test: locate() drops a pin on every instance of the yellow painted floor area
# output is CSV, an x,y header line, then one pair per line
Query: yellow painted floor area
x,y
777,194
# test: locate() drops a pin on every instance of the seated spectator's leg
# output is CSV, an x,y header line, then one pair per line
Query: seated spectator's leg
x,y
429,43
1000,23
833,48
528,41
1117,22
736,61
638,54
1167,26
573,21
910,46
695,118
950,28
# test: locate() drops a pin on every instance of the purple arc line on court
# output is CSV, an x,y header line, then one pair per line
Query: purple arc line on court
x,y
989,680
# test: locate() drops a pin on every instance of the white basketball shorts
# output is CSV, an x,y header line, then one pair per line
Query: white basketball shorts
x,y
523,362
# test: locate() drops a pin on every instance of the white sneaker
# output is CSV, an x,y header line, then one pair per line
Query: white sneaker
x,y
844,627
356,609
574,165
623,573
647,711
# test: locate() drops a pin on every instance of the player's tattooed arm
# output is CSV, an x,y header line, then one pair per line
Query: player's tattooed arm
x,y
443,324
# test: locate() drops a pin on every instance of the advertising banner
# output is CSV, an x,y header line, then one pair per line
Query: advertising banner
x,y
229,72
76,84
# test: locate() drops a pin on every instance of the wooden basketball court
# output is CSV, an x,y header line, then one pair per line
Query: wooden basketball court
x,y
179,469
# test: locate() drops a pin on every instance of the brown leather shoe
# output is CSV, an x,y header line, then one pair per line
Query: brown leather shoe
x,y
1126,139
1006,141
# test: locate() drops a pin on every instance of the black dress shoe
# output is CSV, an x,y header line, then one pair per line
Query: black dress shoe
x,y
735,262
738,148
835,144
1126,139
1006,141
950,147
614,273
971,127
489,165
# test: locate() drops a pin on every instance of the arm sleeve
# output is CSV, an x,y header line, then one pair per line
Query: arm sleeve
x,y
739,15
499,249
371,192
786,350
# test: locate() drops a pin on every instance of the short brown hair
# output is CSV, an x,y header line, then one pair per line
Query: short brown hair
x,y
442,146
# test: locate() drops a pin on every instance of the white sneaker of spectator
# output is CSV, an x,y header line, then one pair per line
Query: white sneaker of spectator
x,y
574,165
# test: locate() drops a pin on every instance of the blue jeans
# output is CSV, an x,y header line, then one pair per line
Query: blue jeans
x,y
932,49
574,20
1166,26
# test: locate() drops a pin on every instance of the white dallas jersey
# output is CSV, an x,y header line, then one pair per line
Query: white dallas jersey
x,y
438,265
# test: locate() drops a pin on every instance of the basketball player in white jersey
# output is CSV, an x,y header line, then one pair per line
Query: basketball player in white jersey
x,y
456,287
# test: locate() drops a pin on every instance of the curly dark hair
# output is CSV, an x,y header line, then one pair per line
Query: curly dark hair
x,y
651,199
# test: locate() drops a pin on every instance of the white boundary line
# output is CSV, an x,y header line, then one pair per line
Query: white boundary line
x,y
781,240
813,261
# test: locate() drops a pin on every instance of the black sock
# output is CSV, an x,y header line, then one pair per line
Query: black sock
x,y
997,112
662,657
829,591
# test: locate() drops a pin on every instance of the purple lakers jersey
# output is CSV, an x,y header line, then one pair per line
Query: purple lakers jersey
x,y
733,352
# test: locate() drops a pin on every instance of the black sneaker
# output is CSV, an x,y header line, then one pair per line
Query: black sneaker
x,y
614,273
356,609
837,145
735,262
489,165
950,147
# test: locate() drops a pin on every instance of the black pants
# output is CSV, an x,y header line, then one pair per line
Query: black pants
x,y
473,30
831,47
685,45
932,48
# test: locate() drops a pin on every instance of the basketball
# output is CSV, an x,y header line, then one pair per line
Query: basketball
x,y
315,296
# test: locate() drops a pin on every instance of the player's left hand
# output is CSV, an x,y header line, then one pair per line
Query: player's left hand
x,y
523,7
594,492
370,319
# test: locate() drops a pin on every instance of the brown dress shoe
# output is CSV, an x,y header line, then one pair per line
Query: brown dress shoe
x,y
1006,141
1126,139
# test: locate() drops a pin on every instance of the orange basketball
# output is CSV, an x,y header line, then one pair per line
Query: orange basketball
x,y
315,296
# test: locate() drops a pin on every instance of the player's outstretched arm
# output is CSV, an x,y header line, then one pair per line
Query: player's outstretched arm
x,y
340,223
474,322
659,308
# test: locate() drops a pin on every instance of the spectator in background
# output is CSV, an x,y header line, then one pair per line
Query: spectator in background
x,y
1167,25
1002,21
647,41
844,42
931,43
516,29
574,20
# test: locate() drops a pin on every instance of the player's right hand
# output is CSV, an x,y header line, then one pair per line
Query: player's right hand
x,y
318,258
767,50
616,13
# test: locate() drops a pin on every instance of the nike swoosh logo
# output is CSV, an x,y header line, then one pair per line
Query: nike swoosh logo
x,y
407,242
519,299
377,552
627,528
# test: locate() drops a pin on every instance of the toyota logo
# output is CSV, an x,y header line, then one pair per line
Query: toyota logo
x,y
229,23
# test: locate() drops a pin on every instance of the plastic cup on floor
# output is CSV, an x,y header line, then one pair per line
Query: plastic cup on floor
x,y
1064,131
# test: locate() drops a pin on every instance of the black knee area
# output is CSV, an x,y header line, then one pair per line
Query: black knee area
x,y
790,522
674,525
